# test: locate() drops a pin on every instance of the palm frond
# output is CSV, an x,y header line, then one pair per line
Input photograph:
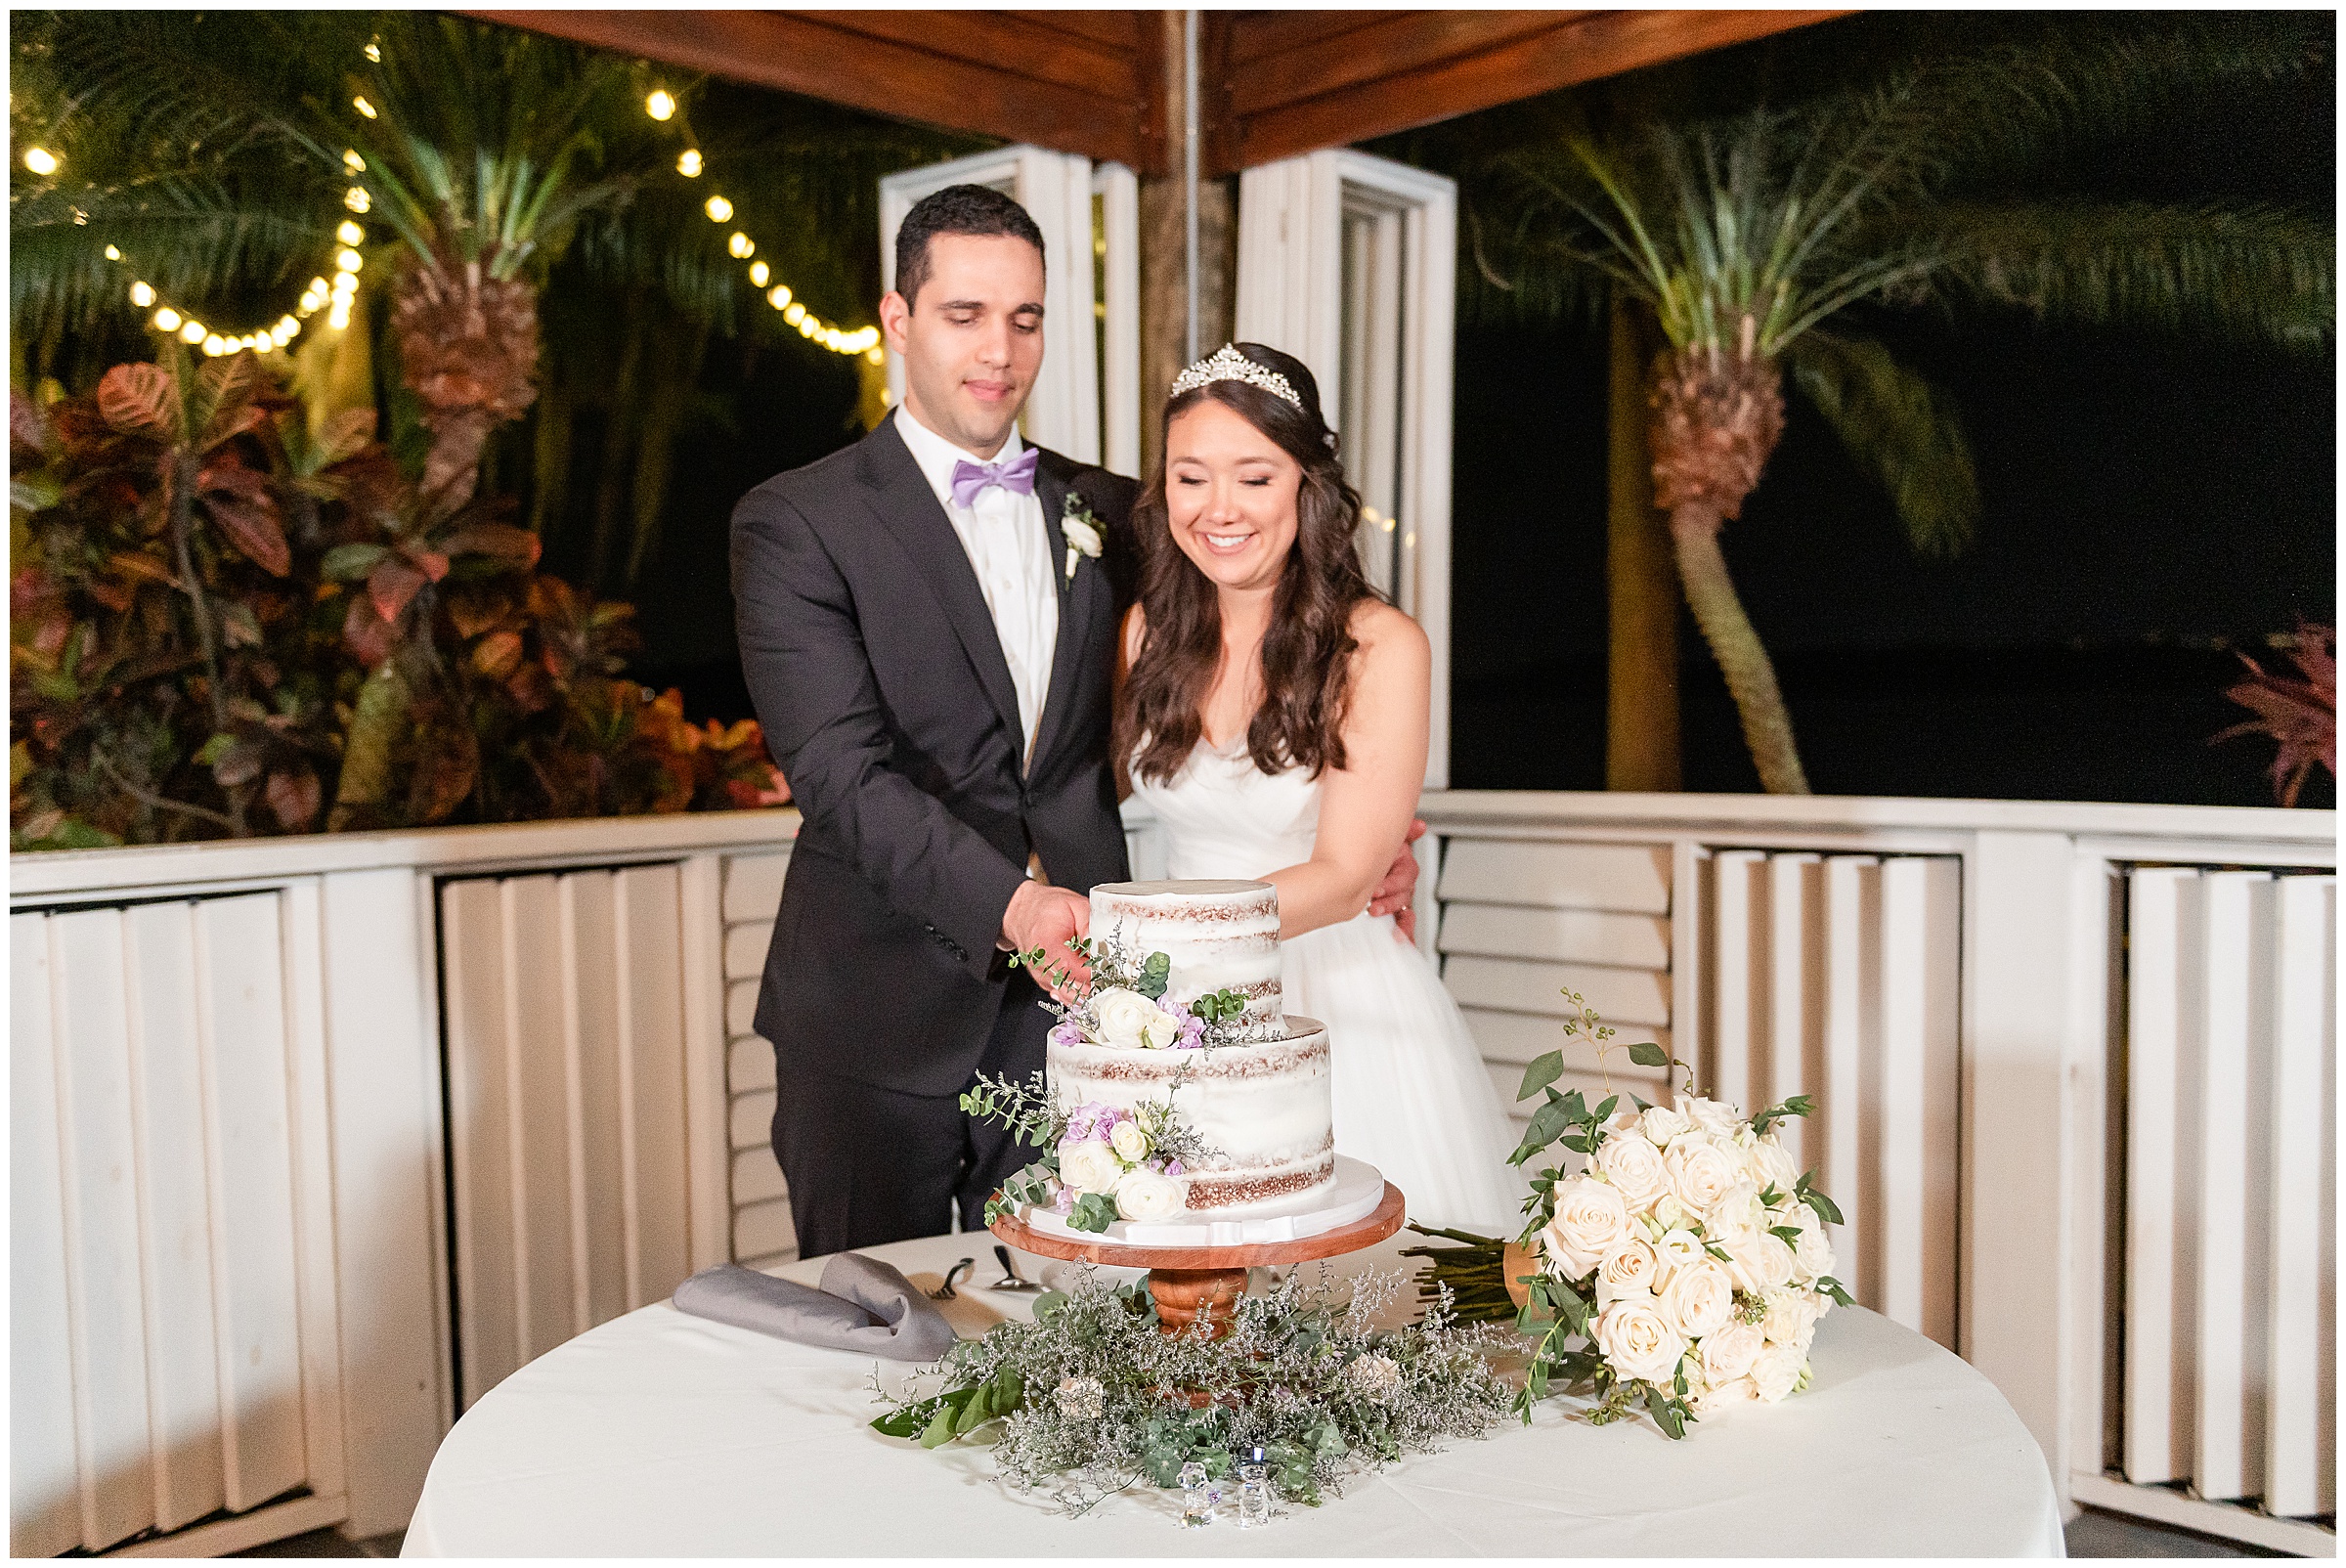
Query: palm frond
x,y
2252,272
1900,430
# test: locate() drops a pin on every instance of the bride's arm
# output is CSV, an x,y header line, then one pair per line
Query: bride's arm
x,y
1365,806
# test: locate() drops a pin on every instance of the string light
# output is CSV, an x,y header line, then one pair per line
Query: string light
x,y
363,107
864,340
352,161
166,320
40,161
356,200
142,294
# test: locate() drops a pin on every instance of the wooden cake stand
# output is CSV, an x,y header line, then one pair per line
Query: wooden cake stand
x,y
1189,1283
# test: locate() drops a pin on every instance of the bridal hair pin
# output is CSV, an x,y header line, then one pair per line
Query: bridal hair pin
x,y
1228,365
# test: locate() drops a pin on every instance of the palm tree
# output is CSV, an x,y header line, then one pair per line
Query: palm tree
x,y
1750,240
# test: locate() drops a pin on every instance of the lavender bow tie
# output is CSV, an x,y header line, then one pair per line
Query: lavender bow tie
x,y
1016,476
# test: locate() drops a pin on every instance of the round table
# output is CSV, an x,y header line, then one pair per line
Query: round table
x,y
659,1434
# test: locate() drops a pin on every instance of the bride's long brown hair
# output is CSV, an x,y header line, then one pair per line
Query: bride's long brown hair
x,y
1308,648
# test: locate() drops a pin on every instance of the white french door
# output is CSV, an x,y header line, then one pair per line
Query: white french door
x,y
1087,403
1349,263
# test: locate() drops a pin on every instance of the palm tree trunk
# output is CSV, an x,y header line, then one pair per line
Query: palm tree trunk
x,y
1642,602
1751,675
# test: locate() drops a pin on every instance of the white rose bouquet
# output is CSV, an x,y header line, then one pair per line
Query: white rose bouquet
x,y
1683,1262
1682,1256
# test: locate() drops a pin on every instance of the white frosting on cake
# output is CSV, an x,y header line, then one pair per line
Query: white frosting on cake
x,y
1219,935
1265,1108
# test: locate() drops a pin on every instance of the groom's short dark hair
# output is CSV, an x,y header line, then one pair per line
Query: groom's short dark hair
x,y
971,209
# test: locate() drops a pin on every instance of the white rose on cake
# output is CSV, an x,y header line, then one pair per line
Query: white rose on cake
x,y
1631,1163
1089,1167
1143,1194
1129,1019
1699,1299
1590,1221
1129,1142
1639,1341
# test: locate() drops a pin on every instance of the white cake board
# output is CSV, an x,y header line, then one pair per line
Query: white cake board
x,y
1358,1190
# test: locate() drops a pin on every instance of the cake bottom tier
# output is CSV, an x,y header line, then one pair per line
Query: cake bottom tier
x,y
1351,1195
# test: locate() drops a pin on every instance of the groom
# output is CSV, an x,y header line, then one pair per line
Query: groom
x,y
932,654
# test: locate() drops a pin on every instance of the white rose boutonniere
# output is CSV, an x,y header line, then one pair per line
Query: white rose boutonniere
x,y
1082,531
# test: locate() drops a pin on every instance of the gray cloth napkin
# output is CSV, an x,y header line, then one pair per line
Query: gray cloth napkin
x,y
864,1305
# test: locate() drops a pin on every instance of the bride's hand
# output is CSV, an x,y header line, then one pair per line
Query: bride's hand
x,y
1393,895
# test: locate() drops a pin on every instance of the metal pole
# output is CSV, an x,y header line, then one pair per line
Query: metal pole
x,y
1188,158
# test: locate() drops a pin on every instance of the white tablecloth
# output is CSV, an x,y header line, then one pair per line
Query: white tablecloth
x,y
660,1434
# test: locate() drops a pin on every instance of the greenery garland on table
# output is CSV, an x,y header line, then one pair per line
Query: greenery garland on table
x,y
1091,1397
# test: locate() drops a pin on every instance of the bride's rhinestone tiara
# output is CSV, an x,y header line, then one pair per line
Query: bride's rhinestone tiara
x,y
1228,365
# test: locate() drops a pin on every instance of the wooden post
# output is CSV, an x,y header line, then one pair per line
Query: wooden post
x,y
1164,215
1641,580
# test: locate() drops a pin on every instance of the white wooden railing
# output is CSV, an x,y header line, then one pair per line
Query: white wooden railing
x,y
547,1032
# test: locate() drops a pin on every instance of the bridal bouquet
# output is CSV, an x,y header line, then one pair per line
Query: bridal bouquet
x,y
1101,1163
1686,1254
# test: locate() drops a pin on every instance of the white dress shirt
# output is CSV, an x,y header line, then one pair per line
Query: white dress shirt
x,y
1003,536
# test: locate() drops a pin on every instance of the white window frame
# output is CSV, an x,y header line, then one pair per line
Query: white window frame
x,y
1381,343
1086,403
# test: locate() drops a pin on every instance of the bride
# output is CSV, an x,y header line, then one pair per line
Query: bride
x,y
1272,711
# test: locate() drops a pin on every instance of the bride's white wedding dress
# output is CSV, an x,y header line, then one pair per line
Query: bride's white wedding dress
x,y
1411,1096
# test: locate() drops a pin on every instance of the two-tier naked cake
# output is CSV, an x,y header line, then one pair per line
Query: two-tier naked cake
x,y
1263,1105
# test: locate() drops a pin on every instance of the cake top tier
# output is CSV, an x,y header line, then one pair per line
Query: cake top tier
x,y
1219,935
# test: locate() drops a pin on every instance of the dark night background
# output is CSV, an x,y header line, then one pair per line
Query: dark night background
x,y
2149,503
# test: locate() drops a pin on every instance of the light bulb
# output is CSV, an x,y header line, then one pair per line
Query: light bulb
x,y
660,105
350,234
363,107
318,286
192,332
340,317
142,295
794,313
352,161
758,273
741,245
356,199
349,261
40,161
111,254
779,297
216,346
374,50
717,208
310,302
689,164
288,325
166,320
875,356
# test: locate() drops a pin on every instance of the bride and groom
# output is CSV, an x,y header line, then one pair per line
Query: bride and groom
x,y
960,644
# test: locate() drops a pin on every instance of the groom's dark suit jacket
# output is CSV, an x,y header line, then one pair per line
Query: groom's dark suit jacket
x,y
880,681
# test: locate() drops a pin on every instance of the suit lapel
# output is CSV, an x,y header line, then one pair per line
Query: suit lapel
x,y
898,495
1052,482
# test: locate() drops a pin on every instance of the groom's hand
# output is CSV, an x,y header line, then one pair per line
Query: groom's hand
x,y
1047,917
1393,895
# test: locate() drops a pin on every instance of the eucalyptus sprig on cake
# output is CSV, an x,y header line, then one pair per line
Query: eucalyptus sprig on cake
x,y
1092,1398
1682,1262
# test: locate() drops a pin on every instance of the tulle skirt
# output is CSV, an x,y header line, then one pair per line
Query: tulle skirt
x,y
1412,1095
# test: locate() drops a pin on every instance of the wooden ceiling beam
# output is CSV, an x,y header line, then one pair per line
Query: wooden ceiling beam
x,y
1020,77
1290,89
